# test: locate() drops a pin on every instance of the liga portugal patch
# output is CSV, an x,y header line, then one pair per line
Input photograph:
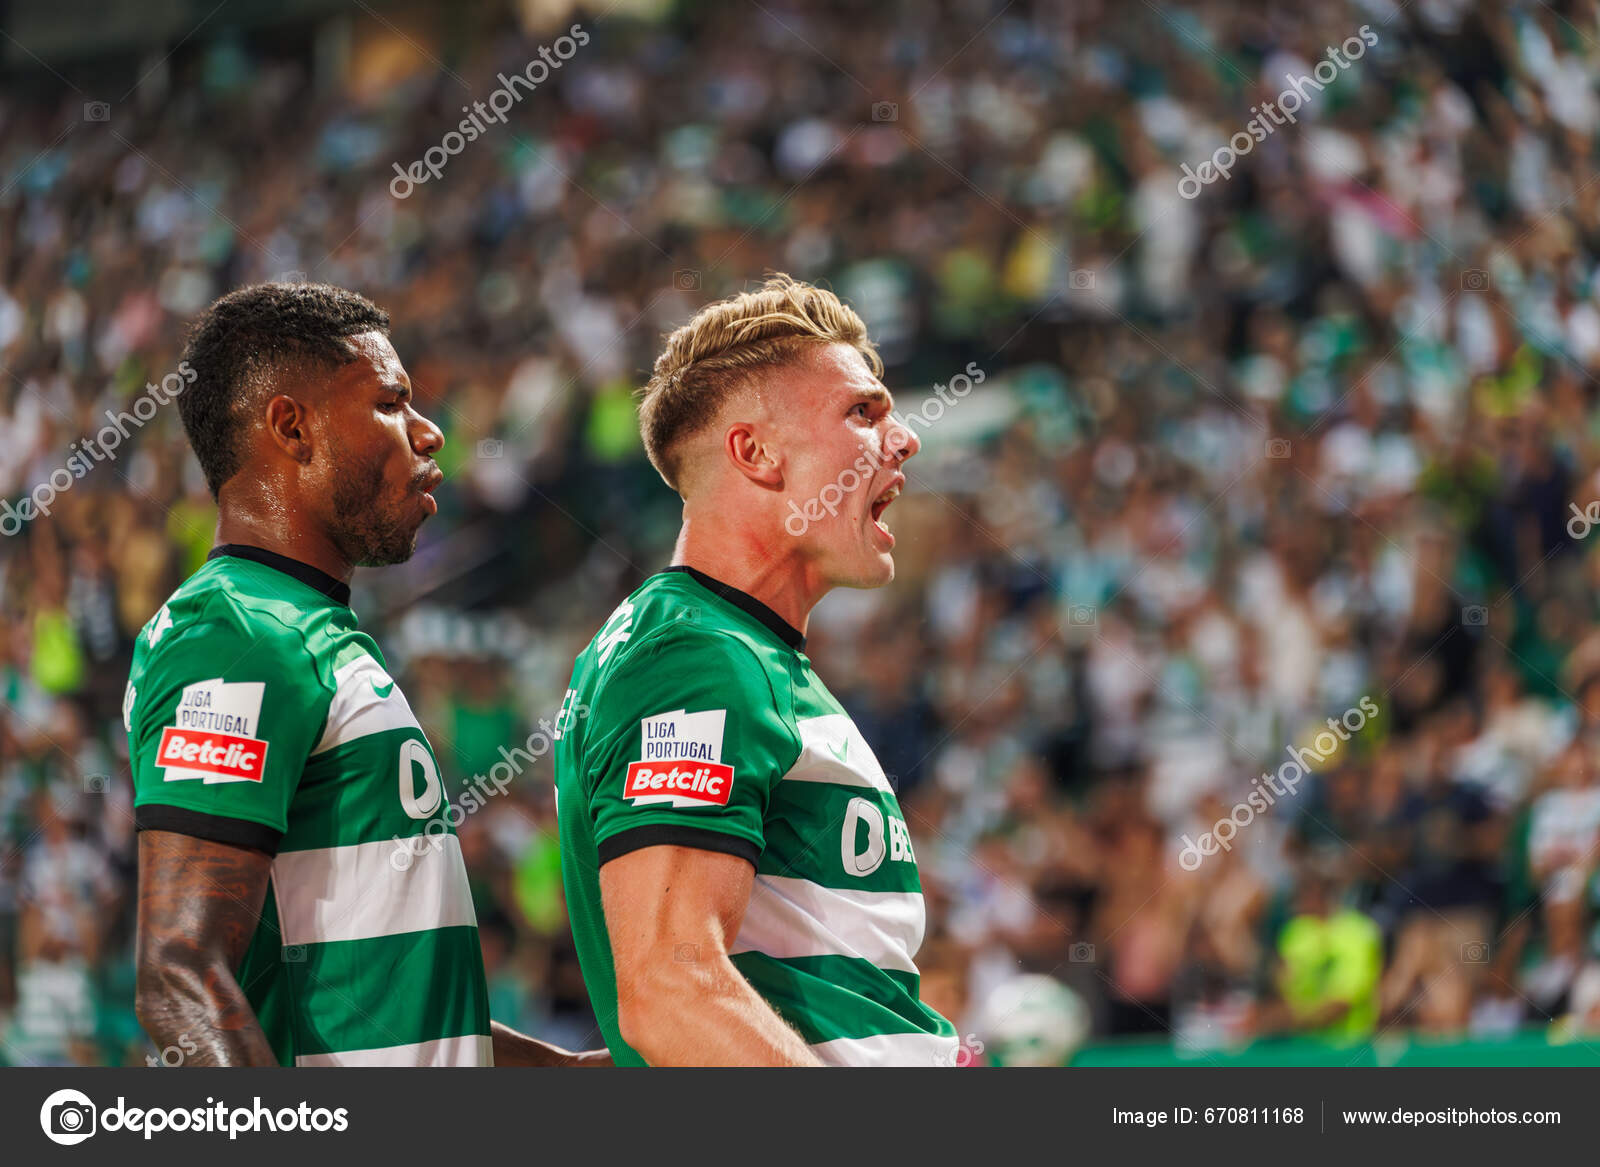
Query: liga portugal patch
x,y
680,761
213,735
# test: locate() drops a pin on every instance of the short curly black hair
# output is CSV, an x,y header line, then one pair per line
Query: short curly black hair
x,y
261,329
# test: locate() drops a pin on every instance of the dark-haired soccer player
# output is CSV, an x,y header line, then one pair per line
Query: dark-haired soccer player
x,y
274,758
741,881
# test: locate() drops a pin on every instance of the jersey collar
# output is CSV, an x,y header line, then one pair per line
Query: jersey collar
x,y
747,603
312,577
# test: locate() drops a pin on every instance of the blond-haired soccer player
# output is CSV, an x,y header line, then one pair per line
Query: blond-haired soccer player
x,y
741,882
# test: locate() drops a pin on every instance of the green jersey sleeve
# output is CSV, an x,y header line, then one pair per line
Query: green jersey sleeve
x,y
222,710
683,745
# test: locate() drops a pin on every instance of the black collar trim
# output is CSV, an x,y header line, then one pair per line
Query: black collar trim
x,y
312,577
747,603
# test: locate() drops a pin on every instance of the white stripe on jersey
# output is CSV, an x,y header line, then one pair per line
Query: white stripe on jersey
x,y
889,1049
357,892
471,1050
366,701
790,917
833,750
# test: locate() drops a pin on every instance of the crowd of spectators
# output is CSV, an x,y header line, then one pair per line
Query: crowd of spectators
x,y
1323,438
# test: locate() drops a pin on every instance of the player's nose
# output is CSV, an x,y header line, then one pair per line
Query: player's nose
x,y
900,441
426,438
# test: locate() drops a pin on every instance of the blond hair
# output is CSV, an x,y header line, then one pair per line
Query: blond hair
x,y
718,350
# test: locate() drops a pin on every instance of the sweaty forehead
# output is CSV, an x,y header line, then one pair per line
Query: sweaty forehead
x,y
835,373
375,363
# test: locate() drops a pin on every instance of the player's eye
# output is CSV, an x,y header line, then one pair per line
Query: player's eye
x,y
861,409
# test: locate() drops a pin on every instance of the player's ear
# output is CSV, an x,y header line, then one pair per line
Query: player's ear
x,y
756,459
289,427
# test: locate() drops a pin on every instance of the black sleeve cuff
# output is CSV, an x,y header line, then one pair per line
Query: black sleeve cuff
x,y
676,835
216,828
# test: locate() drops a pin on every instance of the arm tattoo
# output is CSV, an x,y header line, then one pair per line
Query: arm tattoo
x,y
199,903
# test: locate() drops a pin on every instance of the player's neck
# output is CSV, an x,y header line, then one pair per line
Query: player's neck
x,y
736,555
254,522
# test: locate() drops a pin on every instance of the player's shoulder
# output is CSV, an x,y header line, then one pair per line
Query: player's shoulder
x,y
229,613
668,653
669,621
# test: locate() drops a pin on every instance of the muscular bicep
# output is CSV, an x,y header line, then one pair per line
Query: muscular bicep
x,y
671,902
199,901
673,913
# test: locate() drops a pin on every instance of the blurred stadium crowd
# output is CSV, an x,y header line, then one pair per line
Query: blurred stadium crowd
x,y
1328,431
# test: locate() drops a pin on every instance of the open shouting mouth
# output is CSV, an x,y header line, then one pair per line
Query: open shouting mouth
x,y
881,504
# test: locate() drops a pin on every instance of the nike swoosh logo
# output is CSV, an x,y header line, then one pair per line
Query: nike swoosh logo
x,y
841,751
382,691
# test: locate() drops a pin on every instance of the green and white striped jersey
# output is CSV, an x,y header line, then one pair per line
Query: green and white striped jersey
x,y
694,718
259,715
